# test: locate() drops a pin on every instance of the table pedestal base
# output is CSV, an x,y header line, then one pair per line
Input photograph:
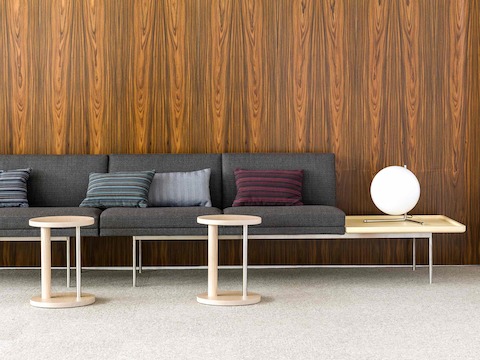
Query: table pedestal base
x,y
233,298
63,300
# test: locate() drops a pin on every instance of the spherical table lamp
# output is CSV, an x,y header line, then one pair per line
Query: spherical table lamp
x,y
395,190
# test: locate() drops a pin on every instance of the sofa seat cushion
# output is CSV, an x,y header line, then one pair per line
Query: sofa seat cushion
x,y
306,219
14,221
154,221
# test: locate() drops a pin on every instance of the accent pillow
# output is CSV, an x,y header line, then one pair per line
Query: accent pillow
x,y
190,188
13,187
268,187
118,189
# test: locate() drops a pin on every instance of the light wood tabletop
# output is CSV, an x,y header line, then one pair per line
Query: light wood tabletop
x,y
354,224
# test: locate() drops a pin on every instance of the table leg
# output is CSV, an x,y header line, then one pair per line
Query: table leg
x,y
245,260
46,263
414,260
78,263
430,256
212,260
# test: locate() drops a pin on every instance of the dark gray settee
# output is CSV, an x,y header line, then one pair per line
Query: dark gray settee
x,y
58,184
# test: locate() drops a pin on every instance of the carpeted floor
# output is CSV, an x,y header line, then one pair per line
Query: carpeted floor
x,y
368,313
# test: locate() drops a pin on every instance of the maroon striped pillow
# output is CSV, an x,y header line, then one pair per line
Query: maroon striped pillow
x,y
268,187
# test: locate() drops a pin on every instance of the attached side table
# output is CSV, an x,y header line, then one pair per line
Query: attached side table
x,y
424,227
213,296
62,300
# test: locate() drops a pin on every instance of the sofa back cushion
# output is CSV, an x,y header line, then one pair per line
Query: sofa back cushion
x,y
319,180
168,163
56,180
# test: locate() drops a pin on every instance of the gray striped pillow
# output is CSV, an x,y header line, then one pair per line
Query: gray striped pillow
x,y
191,188
13,187
118,189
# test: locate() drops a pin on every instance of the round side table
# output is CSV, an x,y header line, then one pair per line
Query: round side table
x,y
61,300
213,296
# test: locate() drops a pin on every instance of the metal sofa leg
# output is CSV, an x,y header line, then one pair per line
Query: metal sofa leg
x,y
140,256
134,260
68,260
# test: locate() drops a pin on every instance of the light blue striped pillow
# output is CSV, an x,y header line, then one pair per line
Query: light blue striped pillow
x,y
191,188
118,189
13,187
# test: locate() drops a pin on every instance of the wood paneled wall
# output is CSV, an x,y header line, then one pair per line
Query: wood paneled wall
x,y
376,82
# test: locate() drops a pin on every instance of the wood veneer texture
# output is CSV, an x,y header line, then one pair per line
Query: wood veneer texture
x,y
376,82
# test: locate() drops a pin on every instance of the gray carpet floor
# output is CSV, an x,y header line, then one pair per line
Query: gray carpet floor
x,y
367,313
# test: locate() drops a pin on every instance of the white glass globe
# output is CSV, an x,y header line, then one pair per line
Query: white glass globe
x,y
395,190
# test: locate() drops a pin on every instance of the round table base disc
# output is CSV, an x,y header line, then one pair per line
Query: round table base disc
x,y
63,300
229,298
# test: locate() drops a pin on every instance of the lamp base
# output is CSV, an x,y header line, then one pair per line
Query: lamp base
x,y
404,218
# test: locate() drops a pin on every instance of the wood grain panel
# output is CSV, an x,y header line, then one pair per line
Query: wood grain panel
x,y
4,80
376,82
472,246
16,19
302,61
280,69
93,74
335,17
142,65
217,26
455,136
252,54
177,73
375,71
61,76
412,79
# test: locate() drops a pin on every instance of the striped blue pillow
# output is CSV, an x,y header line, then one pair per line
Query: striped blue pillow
x,y
13,187
118,189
